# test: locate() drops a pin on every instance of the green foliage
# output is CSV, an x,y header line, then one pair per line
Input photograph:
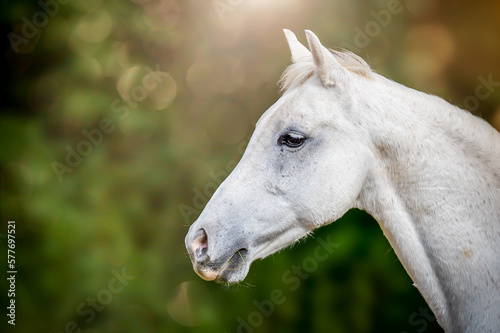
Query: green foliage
x,y
122,117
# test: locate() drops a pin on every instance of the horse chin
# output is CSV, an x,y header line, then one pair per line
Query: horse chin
x,y
235,269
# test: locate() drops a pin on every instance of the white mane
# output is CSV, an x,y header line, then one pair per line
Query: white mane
x,y
300,71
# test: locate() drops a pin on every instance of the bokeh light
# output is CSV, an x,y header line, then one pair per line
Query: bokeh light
x,y
180,307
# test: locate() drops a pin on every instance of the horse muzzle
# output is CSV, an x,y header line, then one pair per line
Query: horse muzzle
x,y
223,264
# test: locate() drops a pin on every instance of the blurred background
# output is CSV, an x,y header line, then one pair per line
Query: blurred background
x,y
120,118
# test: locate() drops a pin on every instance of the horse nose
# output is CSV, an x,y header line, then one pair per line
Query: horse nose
x,y
199,246
198,249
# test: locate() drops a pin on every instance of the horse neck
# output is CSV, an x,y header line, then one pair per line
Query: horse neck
x,y
435,190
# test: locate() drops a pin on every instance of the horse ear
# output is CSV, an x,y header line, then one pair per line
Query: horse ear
x,y
330,71
297,50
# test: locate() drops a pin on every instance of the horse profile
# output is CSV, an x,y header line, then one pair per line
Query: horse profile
x,y
342,137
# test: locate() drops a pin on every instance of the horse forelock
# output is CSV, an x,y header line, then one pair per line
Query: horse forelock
x,y
303,69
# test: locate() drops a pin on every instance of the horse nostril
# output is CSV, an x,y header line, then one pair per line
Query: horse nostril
x,y
200,246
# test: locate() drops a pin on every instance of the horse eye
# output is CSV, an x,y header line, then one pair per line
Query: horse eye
x,y
292,140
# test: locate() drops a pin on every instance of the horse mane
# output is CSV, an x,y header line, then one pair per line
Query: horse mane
x,y
300,71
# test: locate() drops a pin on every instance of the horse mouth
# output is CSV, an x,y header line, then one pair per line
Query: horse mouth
x,y
235,269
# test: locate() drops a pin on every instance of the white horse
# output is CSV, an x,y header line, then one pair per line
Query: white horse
x,y
342,136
